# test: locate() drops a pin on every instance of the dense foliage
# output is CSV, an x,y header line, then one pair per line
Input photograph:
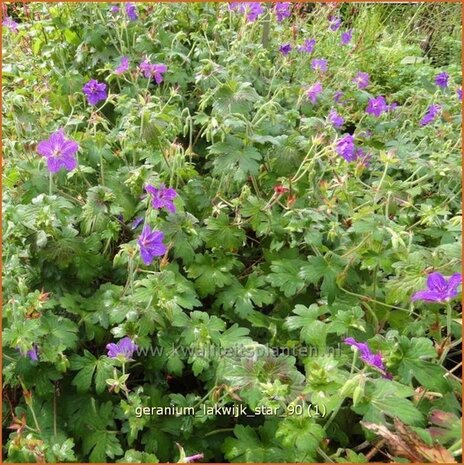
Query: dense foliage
x,y
214,205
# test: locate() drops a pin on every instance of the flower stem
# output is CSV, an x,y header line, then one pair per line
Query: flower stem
x,y
449,314
50,183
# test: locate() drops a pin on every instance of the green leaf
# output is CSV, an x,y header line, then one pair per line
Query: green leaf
x,y
313,331
235,159
210,273
243,299
285,275
222,234
302,433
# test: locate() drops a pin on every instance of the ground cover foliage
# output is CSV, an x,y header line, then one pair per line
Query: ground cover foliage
x,y
183,182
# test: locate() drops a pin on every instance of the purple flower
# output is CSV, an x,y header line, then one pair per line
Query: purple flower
x,y
459,92
335,119
137,222
441,80
373,360
376,106
10,23
192,458
125,348
345,148
392,106
362,157
95,91
282,10
59,152
114,9
32,354
308,46
162,197
285,49
123,65
153,71
432,112
346,37
319,64
362,80
439,289
151,244
338,96
253,9
131,11
335,23
314,91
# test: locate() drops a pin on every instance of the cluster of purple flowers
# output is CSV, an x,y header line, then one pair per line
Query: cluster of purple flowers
x,y
373,360
129,8
252,9
434,110
149,70
150,240
282,10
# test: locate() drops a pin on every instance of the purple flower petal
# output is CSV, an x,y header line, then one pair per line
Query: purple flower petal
x,y
131,11
436,282
151,244
123,65
59,152
124,348
377,106
319,64
439,289
95,91
335,23
314,91
282,10
362,80
308,46
346,37
374,360
285,49
441,80
432,112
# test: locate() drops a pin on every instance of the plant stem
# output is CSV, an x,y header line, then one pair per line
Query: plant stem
x,y
449,315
